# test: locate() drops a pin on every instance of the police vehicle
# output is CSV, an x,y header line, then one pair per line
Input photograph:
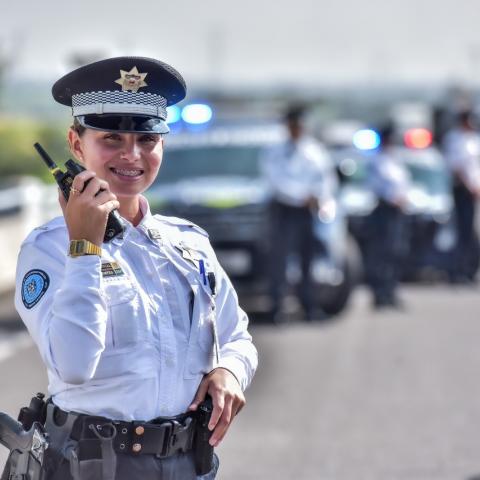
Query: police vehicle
x,y
211,176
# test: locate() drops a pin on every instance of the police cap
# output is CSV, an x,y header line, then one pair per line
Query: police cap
x,y
122,94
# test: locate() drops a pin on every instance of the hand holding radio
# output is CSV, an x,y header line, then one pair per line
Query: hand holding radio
x,y
88,205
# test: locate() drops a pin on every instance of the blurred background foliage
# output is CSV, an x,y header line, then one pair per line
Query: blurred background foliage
x,y
17,155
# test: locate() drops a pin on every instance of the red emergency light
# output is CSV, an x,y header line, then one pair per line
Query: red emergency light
x,y
418,138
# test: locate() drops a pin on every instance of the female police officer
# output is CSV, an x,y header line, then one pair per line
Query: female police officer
x,y
140,328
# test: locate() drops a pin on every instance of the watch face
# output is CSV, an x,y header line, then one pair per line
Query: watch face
x,y
76,247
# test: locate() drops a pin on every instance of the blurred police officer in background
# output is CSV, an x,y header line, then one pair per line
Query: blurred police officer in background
x,y
389,179
462,152
302,180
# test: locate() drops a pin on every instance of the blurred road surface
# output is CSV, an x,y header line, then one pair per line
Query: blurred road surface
x,y
371,396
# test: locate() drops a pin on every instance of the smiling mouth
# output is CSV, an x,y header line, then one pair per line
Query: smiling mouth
x,y
127,172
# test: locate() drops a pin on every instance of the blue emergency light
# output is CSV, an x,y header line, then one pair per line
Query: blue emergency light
x,y
197,113
366,139
174,114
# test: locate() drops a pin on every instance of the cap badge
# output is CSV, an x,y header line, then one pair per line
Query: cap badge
x,y
132,80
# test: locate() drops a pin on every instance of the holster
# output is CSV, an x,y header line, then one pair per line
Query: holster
x,y
90,459
101,465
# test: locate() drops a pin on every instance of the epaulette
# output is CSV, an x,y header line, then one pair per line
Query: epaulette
x,y
181,222
53,224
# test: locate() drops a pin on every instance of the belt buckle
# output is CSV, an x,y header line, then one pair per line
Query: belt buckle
x,y
177,438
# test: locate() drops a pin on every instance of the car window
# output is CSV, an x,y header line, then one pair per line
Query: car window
x,y
180,164
434,180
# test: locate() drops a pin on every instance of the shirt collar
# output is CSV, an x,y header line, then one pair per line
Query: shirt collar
x,y
144,210
147,222
148,225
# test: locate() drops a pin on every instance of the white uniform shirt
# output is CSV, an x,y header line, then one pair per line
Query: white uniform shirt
x,y
462,152
388,176
130,335
297,171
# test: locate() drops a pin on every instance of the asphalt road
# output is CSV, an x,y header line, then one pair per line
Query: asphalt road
x,y
370,396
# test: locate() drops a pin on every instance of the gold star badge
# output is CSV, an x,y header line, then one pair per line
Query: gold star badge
x,y
131,80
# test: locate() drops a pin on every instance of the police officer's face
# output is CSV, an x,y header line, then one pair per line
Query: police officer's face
x,y
129,162
295,129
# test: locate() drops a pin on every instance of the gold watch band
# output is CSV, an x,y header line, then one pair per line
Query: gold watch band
x,y
83,247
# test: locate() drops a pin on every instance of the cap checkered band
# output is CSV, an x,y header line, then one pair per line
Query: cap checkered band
x,y
119,102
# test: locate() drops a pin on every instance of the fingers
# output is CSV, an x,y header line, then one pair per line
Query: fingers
x,y
227,398
81,179
103,197
232,404
200,395
220,421
88,206
94,186
218,406
86,185
111,205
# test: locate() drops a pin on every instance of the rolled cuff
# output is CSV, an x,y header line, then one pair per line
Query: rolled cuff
x,y
237,368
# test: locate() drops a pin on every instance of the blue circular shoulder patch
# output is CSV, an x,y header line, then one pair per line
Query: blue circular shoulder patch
x,y
34,285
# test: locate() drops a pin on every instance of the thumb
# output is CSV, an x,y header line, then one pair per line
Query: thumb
x,y
200,395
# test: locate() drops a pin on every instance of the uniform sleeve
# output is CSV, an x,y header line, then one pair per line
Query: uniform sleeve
x,y
59,299
325,180
237,352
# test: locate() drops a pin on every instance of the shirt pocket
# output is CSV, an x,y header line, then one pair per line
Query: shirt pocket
x,y
126,324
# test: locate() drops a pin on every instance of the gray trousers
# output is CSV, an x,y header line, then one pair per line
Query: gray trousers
x,y
146,467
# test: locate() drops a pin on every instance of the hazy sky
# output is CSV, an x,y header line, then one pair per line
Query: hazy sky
x,y
254,41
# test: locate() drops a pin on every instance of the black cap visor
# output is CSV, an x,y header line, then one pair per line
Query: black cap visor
x,y
124,123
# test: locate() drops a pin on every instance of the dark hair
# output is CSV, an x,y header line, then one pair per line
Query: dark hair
x,y
78,127
295,113
465,116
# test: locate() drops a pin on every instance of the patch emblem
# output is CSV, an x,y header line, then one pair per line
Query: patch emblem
x,y
34,285
112,269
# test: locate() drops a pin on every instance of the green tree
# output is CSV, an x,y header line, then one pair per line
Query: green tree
x,y
17,155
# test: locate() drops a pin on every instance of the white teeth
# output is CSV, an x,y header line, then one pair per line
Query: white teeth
x,y
128,173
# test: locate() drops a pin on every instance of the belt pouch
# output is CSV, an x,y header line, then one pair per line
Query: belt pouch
x,y
95,459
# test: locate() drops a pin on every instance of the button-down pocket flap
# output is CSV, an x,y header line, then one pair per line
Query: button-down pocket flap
x,y
126,325
118,291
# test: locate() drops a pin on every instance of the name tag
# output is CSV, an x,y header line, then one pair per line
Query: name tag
x,y
112,269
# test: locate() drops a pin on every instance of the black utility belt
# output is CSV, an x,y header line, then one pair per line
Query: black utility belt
x,y
161,437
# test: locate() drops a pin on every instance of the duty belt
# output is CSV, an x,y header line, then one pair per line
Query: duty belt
x,y
162,437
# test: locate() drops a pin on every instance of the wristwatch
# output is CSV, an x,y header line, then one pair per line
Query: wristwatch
x,y
83,247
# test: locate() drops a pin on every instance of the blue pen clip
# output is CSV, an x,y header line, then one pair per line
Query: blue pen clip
x,y
201,266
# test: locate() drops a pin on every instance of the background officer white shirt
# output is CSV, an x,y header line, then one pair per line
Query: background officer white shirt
x,y
388,176
130,335
462,153
297,171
